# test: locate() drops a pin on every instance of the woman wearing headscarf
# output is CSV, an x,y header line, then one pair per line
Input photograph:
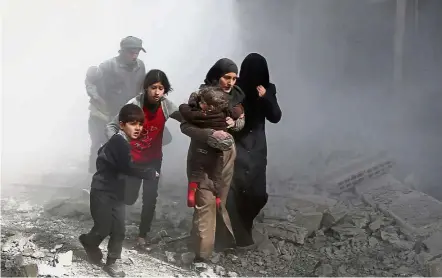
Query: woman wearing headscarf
x,y
248,194
223,74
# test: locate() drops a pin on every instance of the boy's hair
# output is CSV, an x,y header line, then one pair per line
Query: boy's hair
x,y
215,97
131,113
155,76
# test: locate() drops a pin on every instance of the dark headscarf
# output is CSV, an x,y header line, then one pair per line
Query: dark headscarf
x,y
254,72
219,69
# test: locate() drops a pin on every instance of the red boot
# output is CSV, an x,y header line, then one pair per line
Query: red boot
x,y
191,190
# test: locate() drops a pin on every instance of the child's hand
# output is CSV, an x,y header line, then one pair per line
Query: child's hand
x,y
230,122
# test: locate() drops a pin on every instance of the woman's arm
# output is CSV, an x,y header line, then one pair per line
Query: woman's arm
x,y
272,111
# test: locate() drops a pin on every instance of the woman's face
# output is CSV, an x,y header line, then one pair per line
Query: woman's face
x,y
155,92
227,81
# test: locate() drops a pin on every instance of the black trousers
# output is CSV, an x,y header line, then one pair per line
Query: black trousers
x,y
96,127
150,194
108,212
244,203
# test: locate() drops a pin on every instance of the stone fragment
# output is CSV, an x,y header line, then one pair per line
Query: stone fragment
x,y
434,243
324,270
434,267
232,274
187,258
47,270
267,247
220,270
65,259
373,242
38,254
216,257
333,216
170,256
286,231
360,220
390,235
309,220
30,270
347,230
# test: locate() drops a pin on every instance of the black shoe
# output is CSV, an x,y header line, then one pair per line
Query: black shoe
x,y
94,254
113,268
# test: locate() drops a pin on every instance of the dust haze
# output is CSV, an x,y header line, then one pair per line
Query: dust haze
x,y
332,63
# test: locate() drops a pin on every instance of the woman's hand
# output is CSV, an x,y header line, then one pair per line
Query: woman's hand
x,y
230,122
220,135
261,91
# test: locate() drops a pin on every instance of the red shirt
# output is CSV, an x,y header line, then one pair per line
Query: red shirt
x,y
149,146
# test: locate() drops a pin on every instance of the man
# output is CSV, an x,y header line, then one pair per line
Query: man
x,y
110,86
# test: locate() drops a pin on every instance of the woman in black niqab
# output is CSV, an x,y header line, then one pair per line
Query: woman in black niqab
x,y
248,193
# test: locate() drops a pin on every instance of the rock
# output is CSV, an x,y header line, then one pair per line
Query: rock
x,y
38,254
390,235
434,243
333,215
286,257
65,259
375,225
373,242
216,257
187,258
30,270
232,274
309,220
360,220
267,247
47,270
342,271
286,231
220,270
24,207
58,246
423,257
347,230
170,256
324,270
434,268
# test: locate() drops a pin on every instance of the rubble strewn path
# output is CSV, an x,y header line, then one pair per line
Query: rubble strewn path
x,y
307,235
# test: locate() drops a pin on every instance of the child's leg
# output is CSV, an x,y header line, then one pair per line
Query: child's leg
x,y
101,211
116,239
204,223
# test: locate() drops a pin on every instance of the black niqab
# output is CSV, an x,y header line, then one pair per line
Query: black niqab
x,y
254,72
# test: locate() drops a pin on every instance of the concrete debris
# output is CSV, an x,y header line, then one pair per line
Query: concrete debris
x,y
333,215
65,259
47,270
286,231
324,270
389,234
170,256
345,230
434,243
434,268
309,220
187,258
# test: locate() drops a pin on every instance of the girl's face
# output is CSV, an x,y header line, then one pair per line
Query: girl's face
x,y
155,92
227,81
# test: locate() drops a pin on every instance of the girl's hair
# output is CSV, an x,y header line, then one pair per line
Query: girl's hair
x,y
155,76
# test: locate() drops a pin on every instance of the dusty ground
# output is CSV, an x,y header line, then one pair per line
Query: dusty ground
x,y
359,242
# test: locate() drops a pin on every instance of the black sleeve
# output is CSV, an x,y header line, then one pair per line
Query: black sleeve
x,y
272,111
120,151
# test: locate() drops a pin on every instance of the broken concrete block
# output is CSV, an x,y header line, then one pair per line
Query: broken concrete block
x,y
47,270
267,247
309,220
187,258
170,256
324,270
285,231
309,203
30,270
390,235
434,243
333,216
65,259
434,268
347,230
360,220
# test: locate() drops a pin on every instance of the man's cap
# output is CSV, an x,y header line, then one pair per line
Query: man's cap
x,y
131,42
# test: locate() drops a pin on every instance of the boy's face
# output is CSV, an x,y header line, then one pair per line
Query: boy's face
x,y
132,129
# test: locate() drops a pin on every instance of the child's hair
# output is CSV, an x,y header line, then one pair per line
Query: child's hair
x,y
215,97
155,76
131,113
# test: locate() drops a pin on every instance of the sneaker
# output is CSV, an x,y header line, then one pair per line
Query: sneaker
x,y
94,254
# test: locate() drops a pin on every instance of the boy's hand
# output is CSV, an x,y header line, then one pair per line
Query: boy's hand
x,y
230,122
